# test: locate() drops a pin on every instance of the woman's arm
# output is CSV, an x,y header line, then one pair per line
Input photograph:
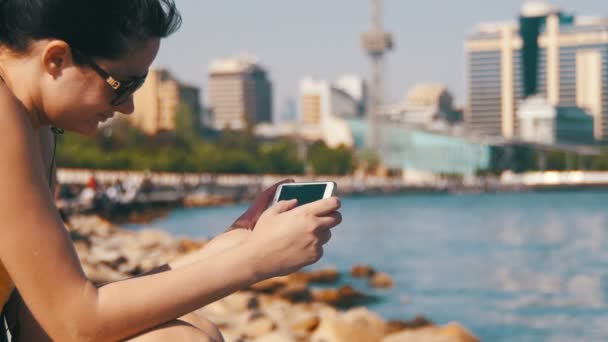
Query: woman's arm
x,y
40,258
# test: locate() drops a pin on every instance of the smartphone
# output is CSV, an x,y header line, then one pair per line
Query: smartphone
x,y
304,192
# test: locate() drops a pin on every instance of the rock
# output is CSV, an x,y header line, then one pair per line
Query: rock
x,y
364,318
362,271
336,328
452,332
152,238
276,336
185,246
417,322
458,333
241,301
99,254
305,323
295,292
269,286
102,273
344,297
381,280
322,276
258,327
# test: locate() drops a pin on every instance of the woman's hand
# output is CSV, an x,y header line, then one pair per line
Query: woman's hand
x,y
287,238
249,219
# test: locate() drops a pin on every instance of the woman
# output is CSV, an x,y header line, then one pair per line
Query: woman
x,y
71,64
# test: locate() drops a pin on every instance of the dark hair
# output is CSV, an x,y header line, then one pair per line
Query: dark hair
x,y
96,28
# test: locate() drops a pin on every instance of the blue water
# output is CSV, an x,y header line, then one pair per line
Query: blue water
x,y
510,267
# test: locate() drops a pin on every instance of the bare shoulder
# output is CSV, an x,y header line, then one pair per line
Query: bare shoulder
x,y
14,117
20,159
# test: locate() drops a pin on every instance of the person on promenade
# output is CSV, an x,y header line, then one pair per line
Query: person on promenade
x,y
71,64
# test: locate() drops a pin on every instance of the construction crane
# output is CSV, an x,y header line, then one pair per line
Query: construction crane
x,y
376,43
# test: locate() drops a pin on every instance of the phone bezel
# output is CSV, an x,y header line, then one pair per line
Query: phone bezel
x,y
329,189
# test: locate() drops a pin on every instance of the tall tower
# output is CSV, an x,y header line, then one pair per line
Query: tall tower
x,y
375,43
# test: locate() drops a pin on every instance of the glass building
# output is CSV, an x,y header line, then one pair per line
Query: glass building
x,y
408,148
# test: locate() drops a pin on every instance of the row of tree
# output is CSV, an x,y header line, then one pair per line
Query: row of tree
x,y
122,147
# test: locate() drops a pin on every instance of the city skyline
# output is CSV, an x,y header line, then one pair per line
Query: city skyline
x,y
281,36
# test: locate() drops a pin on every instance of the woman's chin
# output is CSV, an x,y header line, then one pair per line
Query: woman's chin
x,y
88,130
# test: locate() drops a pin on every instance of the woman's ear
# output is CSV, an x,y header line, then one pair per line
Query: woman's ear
x,y
55,57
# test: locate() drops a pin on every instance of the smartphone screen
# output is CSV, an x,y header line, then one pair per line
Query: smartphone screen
x,y
303,193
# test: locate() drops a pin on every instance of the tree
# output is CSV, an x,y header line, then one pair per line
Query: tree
x,y
325,160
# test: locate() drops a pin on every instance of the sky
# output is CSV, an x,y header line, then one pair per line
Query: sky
x,y
320,38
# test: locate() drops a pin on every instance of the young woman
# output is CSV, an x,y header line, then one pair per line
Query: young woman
x,y
72,64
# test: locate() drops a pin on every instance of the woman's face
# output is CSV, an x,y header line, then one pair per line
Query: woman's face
x,y
78,98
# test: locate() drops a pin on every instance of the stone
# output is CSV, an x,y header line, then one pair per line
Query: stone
x,y
452,332
344,297
304,323
152,238
269,286
295,292
334,328
185,246
381,280
362,271
241,301
362,317
322,276
417,322
99,254
276,336
258,327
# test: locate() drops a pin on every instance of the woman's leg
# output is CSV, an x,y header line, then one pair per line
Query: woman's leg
x,y
190,327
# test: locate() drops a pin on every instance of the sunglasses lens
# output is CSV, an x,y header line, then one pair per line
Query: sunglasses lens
x,y
125,92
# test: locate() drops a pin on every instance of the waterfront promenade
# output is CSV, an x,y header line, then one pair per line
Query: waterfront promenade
x,y
183,184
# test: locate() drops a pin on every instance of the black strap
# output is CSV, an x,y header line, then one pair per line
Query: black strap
x,y
3,326
56,133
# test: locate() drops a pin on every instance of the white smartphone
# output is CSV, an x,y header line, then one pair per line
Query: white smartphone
x,y
304,192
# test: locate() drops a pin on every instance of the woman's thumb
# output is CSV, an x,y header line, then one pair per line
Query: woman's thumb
x,y
284,206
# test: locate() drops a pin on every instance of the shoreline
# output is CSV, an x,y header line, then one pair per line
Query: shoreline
x,y
279,309
147,213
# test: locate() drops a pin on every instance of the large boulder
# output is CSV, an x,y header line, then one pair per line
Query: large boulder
x,y
452,332
354,326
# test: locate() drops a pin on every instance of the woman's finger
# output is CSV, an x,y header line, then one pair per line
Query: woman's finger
x,y
329,221
324,236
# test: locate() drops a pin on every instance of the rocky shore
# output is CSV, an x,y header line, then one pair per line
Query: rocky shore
x,y
287,308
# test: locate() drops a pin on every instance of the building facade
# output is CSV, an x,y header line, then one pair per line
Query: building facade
x,y
159,100
240,93
549,53
425,105
540,122
321,100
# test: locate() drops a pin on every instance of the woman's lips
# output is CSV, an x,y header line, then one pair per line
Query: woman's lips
x,y
105,117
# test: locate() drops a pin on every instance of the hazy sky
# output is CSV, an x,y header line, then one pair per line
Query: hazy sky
x,y
321,38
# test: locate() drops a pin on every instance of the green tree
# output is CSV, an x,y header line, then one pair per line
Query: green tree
x,y
336,161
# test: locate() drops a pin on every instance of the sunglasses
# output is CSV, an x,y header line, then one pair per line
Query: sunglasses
x,y
122,89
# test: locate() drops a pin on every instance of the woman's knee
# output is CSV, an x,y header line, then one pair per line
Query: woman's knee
x,y
176,330
204,325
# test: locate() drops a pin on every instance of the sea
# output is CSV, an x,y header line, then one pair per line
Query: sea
x,y
508,266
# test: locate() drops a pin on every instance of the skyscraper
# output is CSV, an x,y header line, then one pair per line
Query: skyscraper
x,y
240,93
561,57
